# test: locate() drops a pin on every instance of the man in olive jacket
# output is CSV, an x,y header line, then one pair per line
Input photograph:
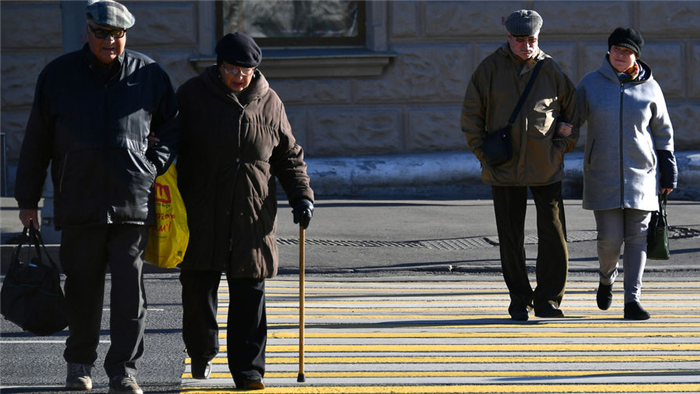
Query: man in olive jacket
x,y
93,112
537,162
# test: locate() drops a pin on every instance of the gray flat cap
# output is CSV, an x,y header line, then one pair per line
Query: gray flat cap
x,y
110,13
524,23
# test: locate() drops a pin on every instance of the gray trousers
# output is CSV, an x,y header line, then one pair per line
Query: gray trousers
x,y
85,254
615,227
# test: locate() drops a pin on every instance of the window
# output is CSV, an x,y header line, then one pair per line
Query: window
x,y
302,39
285,23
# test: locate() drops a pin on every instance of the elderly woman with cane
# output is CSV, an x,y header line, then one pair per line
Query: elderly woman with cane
x,y
629,161
236,140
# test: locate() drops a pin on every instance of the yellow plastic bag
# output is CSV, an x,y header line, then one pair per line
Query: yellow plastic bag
x,y
168,238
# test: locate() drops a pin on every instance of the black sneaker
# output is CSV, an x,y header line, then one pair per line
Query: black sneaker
x,y
78,377
604,296
201,370
124,384
548,310
634,311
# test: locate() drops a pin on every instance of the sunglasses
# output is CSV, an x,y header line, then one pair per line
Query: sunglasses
x,y
104,33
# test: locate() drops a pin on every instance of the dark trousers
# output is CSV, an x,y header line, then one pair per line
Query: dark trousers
x,y
85,255
510,205
246,322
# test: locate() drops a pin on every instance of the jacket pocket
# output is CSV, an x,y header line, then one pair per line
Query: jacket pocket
x,y
589,156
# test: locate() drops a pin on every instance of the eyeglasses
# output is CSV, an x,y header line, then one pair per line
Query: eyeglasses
x,y
104,33
523,40
235,70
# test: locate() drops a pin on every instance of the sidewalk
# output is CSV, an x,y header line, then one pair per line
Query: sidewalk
x,y
413,236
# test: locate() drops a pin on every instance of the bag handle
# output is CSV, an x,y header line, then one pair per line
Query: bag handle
x,y
663,199
40,241
32,236
523,96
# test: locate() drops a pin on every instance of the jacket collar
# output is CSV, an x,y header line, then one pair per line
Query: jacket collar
x,y
607,70
93,60
523,66
212,80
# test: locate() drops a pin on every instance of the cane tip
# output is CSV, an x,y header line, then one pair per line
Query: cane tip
x,y
301,378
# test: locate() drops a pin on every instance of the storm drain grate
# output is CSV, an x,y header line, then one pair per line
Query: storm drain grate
x,y
465,243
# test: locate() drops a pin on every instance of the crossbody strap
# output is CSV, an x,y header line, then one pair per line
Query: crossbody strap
x,y
523,96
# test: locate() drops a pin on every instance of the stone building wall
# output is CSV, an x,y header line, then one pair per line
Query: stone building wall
x,y
413,106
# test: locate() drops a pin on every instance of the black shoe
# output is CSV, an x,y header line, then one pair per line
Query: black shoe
x,y
634,311
249,383
201,370
548,310
519,313
604,296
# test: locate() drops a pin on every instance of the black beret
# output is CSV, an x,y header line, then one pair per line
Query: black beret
x,y
238,49
627,38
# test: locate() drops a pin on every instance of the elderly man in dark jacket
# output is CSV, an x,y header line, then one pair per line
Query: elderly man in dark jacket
x,y
93,112
236,140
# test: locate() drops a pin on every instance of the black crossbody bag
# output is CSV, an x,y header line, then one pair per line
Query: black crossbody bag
x,y
497,147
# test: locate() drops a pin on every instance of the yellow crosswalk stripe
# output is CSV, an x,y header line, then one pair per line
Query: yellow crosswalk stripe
x,y
471,389
403,337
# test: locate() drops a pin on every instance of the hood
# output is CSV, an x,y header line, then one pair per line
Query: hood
x,y
610,73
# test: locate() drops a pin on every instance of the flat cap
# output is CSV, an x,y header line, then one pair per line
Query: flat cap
x,y
524,23
110,13
238,49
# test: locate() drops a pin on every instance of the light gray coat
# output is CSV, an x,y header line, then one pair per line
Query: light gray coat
x,y
627,124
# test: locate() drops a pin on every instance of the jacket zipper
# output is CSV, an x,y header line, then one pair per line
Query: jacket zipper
x,y
622,172
235,177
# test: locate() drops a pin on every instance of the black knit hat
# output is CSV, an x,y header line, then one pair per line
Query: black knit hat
x,y
238,49
627,38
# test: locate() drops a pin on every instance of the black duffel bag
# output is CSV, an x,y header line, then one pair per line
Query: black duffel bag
x,y
31,294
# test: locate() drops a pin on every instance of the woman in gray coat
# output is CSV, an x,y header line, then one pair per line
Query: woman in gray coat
x,y
628,161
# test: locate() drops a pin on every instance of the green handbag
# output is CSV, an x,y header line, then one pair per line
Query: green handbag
x,y
657,238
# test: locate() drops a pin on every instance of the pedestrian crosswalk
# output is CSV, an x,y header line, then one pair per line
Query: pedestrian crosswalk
x,y
454,335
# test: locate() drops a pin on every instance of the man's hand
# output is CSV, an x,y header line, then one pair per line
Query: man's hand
x,y
152,140
303,210
26,214
564,129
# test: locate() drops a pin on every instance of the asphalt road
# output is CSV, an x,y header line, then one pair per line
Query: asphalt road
x,y
31,364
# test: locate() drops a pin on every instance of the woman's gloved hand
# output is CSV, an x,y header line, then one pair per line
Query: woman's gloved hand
x,y
303,210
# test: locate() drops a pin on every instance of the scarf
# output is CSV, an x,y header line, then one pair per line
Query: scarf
x,y
630,74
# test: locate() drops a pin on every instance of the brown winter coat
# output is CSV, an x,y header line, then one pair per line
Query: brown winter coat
x,y
232,150
493,92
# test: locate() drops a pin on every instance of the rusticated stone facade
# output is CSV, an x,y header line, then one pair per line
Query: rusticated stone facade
x,y
412,105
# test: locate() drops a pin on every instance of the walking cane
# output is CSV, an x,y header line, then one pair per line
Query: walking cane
x,y
302,246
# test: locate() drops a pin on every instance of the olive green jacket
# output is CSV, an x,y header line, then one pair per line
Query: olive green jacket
x,y
492,94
